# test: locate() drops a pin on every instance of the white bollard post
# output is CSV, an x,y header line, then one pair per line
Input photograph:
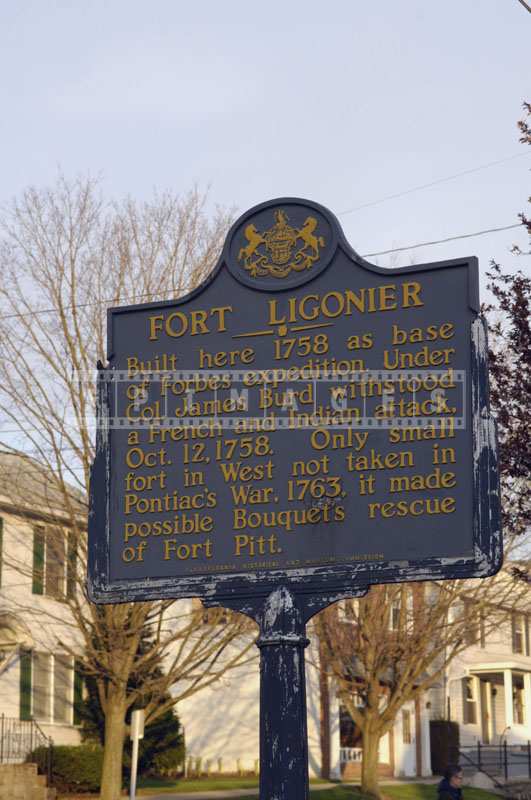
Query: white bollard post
x,y
137,733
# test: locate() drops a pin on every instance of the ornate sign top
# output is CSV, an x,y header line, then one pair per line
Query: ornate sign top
x,y
274,247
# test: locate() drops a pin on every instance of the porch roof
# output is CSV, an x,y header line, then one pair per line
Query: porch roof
x,y
497,666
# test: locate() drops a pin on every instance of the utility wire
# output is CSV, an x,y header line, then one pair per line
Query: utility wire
x,y
441,241
160,294
365,255
83,305
432,183
524,4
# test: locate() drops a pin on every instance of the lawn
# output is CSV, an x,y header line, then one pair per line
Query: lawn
x,y
149,786
405,791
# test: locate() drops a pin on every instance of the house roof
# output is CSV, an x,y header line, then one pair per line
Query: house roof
x,y
29,488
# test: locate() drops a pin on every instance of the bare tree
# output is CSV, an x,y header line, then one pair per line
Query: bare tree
x,y
392,645
397,641
65,256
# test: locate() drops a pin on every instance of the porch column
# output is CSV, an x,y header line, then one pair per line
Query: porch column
x,y
508,692
527,696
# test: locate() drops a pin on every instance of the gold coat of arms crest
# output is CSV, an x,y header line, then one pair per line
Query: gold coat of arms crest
x,y
280,249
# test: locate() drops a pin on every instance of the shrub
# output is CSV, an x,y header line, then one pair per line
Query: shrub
x,y
74,768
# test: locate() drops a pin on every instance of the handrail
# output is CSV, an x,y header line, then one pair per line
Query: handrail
x,y
19,738
39,730
480,769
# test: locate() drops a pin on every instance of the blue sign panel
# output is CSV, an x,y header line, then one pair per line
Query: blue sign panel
x,y
302,418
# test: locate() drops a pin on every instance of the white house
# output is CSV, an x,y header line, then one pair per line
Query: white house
x,y
38,681
486,690
222,727
488,687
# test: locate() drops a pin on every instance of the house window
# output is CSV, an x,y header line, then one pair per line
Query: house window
x,y
518,700
394,622
40,690
348,610
520,634
472,624
54,563
396,609
62,684
406,727
470,701
47,687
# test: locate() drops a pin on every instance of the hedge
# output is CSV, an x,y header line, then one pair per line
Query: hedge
x,y
74,768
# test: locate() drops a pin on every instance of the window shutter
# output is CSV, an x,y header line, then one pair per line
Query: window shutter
x,y
526,628
1,546
71,564
78,692
38,561
25,684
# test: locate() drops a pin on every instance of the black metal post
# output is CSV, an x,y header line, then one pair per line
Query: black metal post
x,y
283,731
529,758
282,616
479,754
505,767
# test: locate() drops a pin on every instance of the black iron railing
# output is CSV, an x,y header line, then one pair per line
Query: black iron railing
x,y
502,760
20,738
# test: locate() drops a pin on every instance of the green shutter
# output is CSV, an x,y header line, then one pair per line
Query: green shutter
x,y
38,561
78,692
25,684
71,564
1,546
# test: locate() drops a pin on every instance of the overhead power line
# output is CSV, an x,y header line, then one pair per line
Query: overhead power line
x,y
442,241
104,302
432,183
137,297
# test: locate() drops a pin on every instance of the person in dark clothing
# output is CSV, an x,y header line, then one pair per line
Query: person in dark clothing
x,y
450,786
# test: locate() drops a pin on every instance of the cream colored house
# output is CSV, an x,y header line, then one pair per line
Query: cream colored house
x,y
486,690
38,680
222,727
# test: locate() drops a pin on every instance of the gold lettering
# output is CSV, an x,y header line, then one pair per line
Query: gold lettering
x,y
410,294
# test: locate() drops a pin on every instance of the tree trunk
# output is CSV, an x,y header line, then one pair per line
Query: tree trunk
x,y
111,776
369,766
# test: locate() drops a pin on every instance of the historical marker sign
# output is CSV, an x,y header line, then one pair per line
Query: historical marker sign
x,y
303,418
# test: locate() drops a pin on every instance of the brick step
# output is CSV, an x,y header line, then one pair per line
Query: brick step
x,y
22,782
352,770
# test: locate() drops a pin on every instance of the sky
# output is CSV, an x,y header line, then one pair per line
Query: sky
x,y
344,103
